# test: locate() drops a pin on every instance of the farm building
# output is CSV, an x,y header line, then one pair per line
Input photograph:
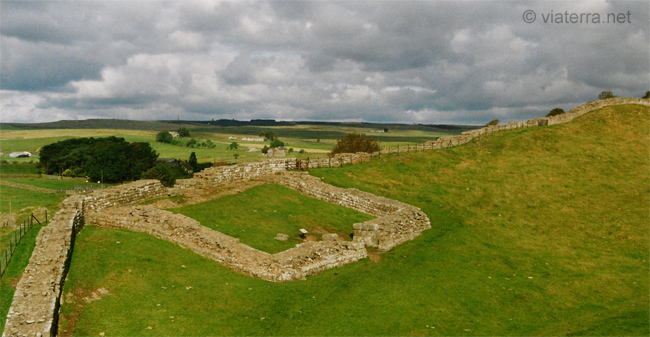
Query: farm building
x,y
23,154
253,139
277,152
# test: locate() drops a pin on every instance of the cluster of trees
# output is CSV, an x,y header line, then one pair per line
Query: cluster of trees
x,y
208,144
109,159
355,142
555,112
269,135
606,95
609,94
169,171
167,138
493,122
274,143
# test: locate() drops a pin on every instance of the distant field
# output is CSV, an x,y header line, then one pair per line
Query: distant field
x,y
256,215
316,140
18,168
539,231
50,183
14,199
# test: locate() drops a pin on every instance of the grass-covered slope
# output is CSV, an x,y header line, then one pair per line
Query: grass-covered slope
x,y
540,231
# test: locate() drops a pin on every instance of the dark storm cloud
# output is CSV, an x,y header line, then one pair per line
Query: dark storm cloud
x,y
402,61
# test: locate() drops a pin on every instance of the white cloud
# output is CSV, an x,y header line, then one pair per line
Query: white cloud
x,y
427,62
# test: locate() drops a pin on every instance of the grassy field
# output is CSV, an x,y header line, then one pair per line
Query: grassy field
x,y
256,215
16,168
13,199
14,270
52,184
316,140
540,231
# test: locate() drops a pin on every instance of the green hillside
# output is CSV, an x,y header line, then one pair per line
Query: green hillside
x,y
538,231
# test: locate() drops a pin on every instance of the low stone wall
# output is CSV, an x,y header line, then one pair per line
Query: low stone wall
x,y
34,309
467,136
127,194
395,224
35,305
225,174
293,264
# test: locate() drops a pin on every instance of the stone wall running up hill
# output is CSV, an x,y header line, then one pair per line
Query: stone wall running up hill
x,y
225,174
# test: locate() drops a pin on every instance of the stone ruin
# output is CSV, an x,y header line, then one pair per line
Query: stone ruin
x,y
34,310
35,305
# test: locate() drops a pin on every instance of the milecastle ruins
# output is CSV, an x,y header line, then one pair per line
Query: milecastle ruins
x,y
35,306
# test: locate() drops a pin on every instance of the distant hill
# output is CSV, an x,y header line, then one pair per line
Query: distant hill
x,y
122,124
125,124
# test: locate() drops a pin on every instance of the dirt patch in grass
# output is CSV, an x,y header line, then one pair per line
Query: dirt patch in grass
x,y
194,195
79,297
374,255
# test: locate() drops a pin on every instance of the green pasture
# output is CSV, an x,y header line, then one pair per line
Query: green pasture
x,y
317,140
19,168
14,271
53,184
256,215
540,231
15,199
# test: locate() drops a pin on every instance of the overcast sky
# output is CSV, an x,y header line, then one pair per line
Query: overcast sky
x,y
433,62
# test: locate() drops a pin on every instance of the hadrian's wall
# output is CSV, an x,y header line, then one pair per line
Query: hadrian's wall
x,y
35,305
224,174
127,194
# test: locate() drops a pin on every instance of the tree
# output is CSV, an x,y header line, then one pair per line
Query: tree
x,y
265,149
269,135
191,143
385,129
276,143
109,159
647,95
193,162
162,173
183,132
492,122
606,95
236,155
355,142
164,137
555,112
233,146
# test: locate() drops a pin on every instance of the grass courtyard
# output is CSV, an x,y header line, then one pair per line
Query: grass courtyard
x,y
256,215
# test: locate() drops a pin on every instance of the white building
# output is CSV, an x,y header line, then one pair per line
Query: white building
x,y
253,139
20,154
